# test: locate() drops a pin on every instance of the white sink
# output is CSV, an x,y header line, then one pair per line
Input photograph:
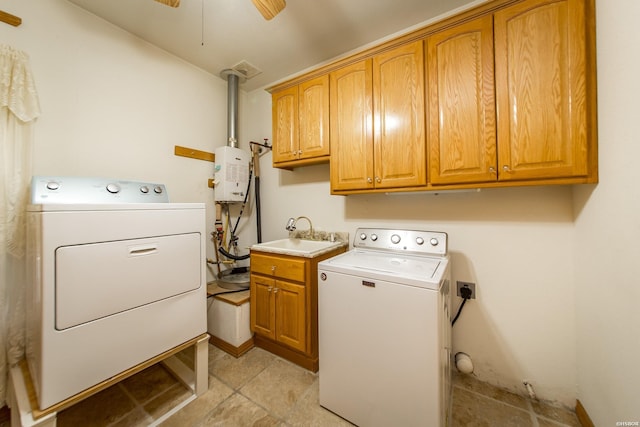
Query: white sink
x,y
299,247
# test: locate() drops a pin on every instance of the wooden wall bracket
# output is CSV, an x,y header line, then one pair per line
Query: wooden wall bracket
x,y
194,154
10,19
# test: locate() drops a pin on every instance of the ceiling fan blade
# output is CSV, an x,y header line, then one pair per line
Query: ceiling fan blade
x,y
269,8
172,3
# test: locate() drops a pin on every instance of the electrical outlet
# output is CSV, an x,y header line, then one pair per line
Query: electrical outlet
x,y
469,285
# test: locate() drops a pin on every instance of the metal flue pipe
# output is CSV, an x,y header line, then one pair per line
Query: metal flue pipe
x,y
233,82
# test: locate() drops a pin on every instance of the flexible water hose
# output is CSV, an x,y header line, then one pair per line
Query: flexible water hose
x,y
232,256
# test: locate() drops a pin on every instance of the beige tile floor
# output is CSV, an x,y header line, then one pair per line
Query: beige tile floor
x,y
260,389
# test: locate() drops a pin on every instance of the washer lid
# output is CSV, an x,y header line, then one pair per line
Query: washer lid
x,y
398,268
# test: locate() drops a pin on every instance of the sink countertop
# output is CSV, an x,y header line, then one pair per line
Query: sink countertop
x,y
306,255
341,240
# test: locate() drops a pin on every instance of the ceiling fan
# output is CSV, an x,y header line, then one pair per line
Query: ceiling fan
x,y
268,8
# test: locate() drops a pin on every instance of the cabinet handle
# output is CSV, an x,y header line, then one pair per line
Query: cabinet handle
x,y
300,152
275,291
506,168
273,268
492,170
378,179
269,289
369,180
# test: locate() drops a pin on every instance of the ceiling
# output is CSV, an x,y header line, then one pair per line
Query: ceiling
x,y
219,34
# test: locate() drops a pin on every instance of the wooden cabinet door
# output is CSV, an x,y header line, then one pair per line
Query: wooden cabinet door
x,y
461,113
262,306
284,105
399,116
351,125
540,60
290,315
313,118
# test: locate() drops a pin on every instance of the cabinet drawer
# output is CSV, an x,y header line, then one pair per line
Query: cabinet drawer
x,y
275,266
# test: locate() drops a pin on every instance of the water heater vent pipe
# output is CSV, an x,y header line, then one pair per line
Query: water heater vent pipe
x,y
233,80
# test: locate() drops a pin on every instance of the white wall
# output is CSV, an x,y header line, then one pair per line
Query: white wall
x,y
515,244
608,230
115,106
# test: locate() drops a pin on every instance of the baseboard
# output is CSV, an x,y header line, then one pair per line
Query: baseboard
x,y
5,415
231,349
582,415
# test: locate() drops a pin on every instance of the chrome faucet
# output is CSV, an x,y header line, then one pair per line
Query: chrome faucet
x,y
291,225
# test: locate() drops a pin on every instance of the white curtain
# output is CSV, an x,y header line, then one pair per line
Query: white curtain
x,y
19,107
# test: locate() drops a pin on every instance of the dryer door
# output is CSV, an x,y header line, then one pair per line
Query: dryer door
x,y
101,279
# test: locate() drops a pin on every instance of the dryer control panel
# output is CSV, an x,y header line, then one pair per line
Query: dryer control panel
x,y
90,190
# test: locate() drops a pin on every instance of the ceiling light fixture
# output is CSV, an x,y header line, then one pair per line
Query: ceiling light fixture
x,y
172,3
269,8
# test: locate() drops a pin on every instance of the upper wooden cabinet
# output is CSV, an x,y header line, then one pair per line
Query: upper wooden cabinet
x,y
301,124
502,94
461,119
538,128
284,105
351,100
377,122
541,75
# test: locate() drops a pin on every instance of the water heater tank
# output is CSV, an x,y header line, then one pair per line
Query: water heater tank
x,y
231,174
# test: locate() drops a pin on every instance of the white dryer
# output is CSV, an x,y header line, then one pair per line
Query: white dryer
x,y
116,277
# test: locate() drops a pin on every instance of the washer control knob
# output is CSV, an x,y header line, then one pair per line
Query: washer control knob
x,y
363,236
52,185
434,241
113,188
144,189
419,240
395,238
374,237
157,189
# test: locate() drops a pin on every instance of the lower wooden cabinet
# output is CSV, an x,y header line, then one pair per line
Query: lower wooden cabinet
x,y
279,311
284,305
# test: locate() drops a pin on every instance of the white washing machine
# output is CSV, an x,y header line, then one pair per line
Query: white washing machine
x,y
384,329
116,277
